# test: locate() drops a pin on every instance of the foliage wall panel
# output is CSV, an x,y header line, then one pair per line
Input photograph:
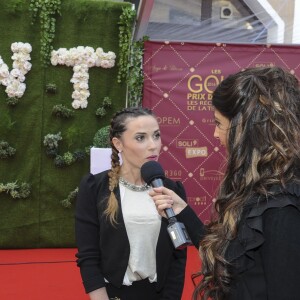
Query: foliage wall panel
x,y
41,220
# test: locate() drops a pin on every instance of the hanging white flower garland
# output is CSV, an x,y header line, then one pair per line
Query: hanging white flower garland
x,y
81,59
14,80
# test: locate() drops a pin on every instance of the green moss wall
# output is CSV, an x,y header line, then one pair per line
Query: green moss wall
x,y
41,220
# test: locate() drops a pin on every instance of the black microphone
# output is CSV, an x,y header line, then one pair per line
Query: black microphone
x,y
153,174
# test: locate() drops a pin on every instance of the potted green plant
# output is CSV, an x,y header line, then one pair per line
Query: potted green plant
x,y
101,151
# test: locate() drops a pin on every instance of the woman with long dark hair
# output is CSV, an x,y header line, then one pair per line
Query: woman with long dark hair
x,y
251,248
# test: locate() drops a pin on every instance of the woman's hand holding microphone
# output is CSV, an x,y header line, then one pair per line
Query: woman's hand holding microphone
x,y
165,198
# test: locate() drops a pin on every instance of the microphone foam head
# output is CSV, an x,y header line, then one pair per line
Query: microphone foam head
x,y
152,170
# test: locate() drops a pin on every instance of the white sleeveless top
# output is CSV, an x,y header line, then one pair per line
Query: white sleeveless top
x,y
142,223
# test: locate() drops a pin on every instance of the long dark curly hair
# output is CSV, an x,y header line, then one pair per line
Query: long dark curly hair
x,y
263,107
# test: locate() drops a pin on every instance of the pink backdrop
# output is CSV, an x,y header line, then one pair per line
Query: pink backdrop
x,y
179,79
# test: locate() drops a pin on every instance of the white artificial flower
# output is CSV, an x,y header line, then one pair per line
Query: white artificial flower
x,y
111,55
75,80
84,104
77,68
14,47
21,78
15,89
76,94
21,89
27,47
76,104
106,64
68,61
4,72
99,51
5,81
15,72
83,85
84,94
76,85
27,66
90,61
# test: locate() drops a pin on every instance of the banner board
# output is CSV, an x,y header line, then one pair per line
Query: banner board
x,y
179,79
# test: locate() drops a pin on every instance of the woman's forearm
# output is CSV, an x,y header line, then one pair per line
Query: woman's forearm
x,y
99,294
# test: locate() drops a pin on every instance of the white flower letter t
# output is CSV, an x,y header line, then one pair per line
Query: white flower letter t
x,y
81,59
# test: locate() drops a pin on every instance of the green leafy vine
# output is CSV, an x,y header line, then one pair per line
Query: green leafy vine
x,y
126,22
46,10
130,58
135,79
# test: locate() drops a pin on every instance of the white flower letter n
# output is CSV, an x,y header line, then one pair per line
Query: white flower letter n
x,y
81,59
14,80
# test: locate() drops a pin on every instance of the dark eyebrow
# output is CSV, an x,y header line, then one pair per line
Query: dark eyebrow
x,y
157,130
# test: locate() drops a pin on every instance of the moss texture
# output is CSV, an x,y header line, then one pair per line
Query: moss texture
x,y
41,220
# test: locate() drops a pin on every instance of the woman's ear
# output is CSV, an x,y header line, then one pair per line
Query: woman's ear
x,y
117,143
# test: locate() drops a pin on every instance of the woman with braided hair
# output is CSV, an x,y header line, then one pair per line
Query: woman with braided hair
x,y
251,248
124,250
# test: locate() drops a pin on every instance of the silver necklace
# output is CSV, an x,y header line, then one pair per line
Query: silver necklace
x,y
133,187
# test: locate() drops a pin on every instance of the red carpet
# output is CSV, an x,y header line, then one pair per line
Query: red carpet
x,y
52,274
193,266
